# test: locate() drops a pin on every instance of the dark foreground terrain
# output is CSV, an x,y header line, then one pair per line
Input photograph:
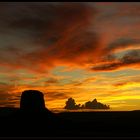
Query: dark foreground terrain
x,y
69,124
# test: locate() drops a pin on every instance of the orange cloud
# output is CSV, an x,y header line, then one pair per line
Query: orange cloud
x,y
61,36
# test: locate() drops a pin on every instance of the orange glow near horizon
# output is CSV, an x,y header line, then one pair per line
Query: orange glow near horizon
x,y
116,95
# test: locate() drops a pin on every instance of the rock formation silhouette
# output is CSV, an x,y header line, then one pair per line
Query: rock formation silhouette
x,y
32,105
32,101
35,115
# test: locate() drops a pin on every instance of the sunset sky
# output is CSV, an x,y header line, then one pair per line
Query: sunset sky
x,y
79,50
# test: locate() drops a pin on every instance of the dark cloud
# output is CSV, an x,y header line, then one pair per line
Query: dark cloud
x,y
45,22
107,67
59,30
95,105
122,43
71,105
130,59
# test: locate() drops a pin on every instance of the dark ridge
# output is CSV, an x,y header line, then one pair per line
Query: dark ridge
x,y
33,119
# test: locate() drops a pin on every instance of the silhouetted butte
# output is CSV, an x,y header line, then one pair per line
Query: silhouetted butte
x,y
33,115
32,100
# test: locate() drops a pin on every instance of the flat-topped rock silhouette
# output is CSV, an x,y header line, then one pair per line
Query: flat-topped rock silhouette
x,y
31,118
32,106
32,100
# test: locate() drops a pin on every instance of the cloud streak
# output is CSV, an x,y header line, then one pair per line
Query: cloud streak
x,y
54,31
131,59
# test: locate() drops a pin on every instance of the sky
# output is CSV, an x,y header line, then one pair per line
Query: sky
x,y
81,50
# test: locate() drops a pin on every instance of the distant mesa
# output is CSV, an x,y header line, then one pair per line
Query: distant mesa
x,y
32,100
71,105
